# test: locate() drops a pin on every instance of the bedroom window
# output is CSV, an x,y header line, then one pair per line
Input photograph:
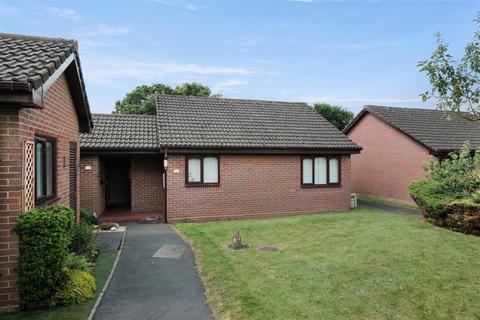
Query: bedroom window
x,y
202,170
44,169
320,171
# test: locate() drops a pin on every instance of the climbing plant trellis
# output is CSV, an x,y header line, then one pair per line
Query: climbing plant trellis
x,y
28,175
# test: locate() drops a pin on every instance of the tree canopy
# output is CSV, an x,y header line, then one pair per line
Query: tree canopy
x,y
336,115
455,84
142,99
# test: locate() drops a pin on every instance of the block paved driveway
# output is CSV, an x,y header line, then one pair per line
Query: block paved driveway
x,y
144,287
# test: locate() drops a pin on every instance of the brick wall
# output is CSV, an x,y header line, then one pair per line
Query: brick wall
x,y
252,186
389,161
92,192
147,185
57,119
11,142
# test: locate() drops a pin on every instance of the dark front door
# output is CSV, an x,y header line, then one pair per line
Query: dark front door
x,y
72,171
117,171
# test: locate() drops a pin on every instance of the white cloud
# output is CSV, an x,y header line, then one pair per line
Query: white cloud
x,y
103,29
231,83
349,47
361,100
109,70
246,42
180,3
7,10
104,43
108,30
262,61
190,6
303,1
69,14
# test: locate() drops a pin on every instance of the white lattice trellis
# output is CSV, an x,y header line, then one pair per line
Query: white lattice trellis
x,y
28,175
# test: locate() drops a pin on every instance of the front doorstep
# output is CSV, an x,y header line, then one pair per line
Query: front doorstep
x,y
132,217
127,216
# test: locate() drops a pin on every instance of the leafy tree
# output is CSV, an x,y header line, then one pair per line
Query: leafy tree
x,y
455,84
142,99
338,116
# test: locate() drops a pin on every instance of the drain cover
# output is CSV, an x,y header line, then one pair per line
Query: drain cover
x,y
268,249
170,251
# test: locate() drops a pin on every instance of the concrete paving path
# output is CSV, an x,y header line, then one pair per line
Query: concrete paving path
x,y
146,287
387,207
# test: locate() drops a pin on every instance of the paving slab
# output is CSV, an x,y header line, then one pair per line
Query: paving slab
x,y
147,287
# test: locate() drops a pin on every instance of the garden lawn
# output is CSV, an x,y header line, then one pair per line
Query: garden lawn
x,y
363,264
101,271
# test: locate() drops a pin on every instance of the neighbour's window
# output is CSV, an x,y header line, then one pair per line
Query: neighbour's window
x,y
202,170
44,169
320,171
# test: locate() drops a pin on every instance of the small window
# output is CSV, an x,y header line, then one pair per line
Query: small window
x,y
202,170
44,169
320,171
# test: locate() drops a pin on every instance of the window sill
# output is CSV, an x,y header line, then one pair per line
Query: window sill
x,y
202,184
46,201
321,186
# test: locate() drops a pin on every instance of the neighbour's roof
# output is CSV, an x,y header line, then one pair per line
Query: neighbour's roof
x,y
32,59
187,122
29,65
437,130
122,132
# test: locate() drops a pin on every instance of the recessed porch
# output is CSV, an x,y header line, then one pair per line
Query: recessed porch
x,y
122,188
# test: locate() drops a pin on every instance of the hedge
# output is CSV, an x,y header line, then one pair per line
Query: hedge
x,y
45,235
462,215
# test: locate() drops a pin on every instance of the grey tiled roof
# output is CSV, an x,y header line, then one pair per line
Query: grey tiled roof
x,y
435,129
187,121
32,59
200,122
122,132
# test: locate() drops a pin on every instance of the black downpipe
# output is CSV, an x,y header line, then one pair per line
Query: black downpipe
x,y
165,169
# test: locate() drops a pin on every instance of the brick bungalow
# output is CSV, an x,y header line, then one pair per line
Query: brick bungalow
x,y
43,109
397,142
203,159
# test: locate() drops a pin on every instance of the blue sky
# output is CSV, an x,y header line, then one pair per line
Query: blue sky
x,y
344,52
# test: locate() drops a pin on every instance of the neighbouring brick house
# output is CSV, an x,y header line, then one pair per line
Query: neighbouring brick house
x,y
43,109
397,142
203,159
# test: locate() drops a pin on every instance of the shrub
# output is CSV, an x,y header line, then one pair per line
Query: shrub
x,y
89,218
433,205
458,176
476,197
451,197
465,216
79,287
77,262
44,240
84,241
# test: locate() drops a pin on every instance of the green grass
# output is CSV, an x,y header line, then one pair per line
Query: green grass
x,y
101,272
362,264
388,201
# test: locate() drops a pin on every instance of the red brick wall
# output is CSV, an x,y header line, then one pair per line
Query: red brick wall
x,y
389,161
147,185
10,203
92,192
252,186
57,119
